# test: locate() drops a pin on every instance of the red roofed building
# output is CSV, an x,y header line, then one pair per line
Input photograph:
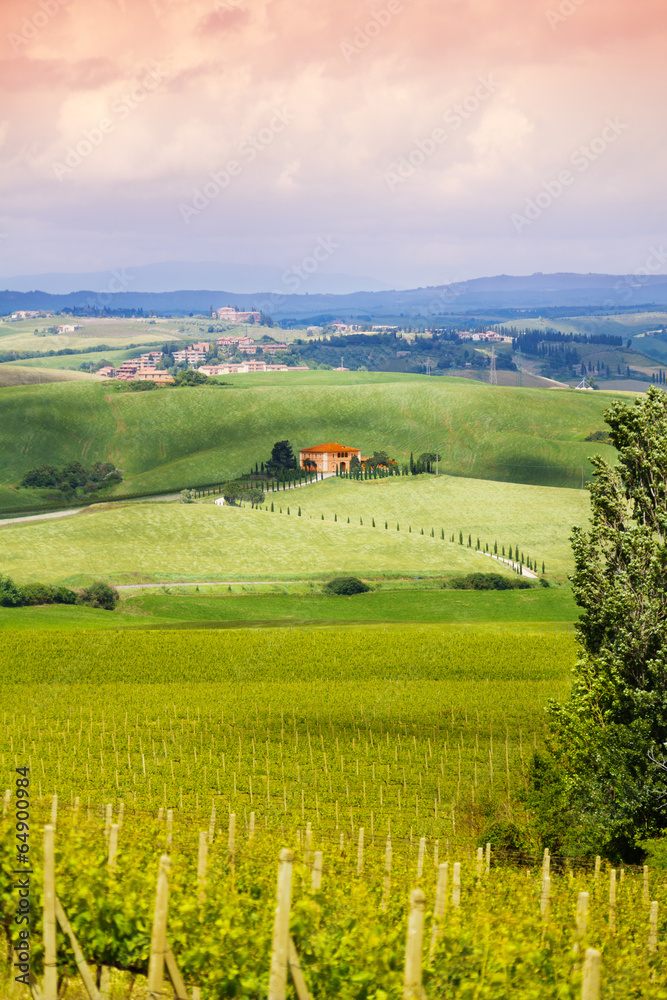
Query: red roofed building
x,y
328,457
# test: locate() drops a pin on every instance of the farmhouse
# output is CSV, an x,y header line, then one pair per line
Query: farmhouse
x,y
328,457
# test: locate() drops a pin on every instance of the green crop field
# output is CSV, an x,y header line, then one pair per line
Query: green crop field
x,y
144,542
169,439
387,750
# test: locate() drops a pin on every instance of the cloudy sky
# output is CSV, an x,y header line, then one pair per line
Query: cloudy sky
x,y
417,141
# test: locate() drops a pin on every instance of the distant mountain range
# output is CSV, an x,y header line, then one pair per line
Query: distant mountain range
x,y
173,275
606,292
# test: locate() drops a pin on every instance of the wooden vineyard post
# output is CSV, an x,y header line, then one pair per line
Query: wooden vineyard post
x,y
360,851
316,878
202,861
436,853
76,809
159,934
232,839
251,826
121,809
590,987
480,864
646,895
597,872
653,928
488,859
170,827
107,820
308,842
113,847
50,984
54,811
296,973
281,939
6,802
582,914
612,901
440,906
211,825
420,857
412,977
176,978
456,885
545,897
387,876
84,971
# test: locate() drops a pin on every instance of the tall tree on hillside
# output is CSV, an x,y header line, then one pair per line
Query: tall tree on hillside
x,y
601,785
282,457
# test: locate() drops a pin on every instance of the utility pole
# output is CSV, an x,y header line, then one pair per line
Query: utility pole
x,y
493,374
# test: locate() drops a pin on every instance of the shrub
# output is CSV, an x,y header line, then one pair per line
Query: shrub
x,y
346,586
488,581
10,595
99,595
36,593
509,840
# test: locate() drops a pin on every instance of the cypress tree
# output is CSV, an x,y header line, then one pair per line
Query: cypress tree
x,y
442,534
422,531
495,548
361,520
288,510
299,512
510,555
503,550
397,528
460,537
373,522
322,516
478,544
432,533
543,566
469,541
386,525
335,517
348,520
272,506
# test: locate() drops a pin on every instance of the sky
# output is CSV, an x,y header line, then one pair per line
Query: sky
x,y
416,141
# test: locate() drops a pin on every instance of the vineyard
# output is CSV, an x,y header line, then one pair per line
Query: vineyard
x,y
376,756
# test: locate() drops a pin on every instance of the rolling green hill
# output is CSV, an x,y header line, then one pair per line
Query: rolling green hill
x,y
12,375
169,439
143,542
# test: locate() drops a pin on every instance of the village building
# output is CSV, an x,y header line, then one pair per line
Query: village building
x,y
232,341
329,457
230,315
151,357
107,372
189,355
153,375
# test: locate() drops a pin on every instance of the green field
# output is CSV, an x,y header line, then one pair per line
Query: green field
x,y
12,375
201,542
170,439
211,607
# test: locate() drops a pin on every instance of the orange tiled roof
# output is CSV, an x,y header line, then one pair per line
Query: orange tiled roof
x,y
329,446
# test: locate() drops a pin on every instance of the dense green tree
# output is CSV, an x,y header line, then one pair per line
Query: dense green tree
x,y
601,784
282,458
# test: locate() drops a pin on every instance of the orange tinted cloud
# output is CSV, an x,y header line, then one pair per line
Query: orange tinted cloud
x,y
365,85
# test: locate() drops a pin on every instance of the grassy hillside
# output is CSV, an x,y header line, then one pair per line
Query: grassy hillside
x,y
537,518
201,542
152,541
169,439
12,375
